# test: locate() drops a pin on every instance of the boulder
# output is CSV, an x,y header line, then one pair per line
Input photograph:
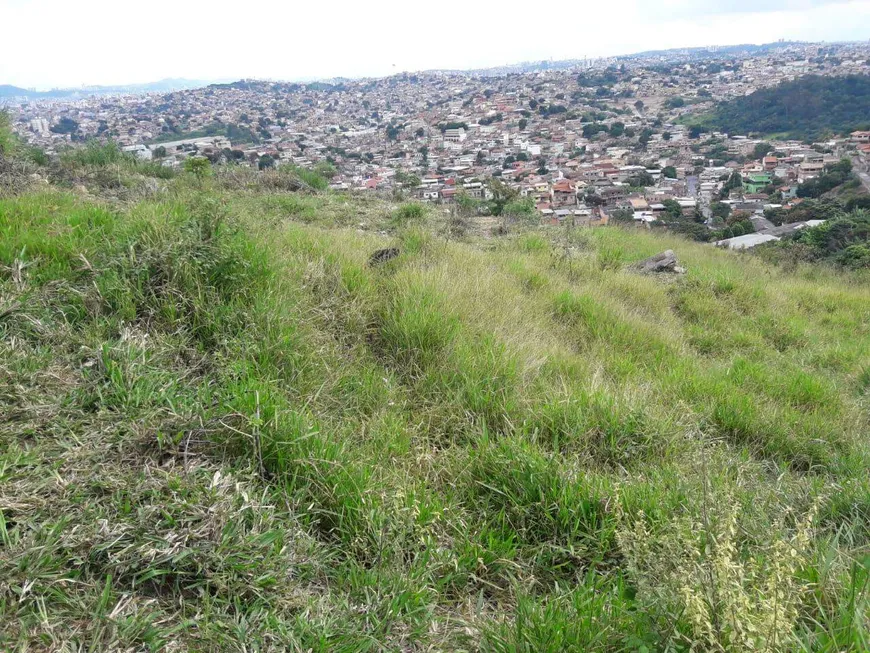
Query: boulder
x,y
664,262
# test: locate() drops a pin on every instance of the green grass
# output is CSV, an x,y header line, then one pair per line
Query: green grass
x,y
222,430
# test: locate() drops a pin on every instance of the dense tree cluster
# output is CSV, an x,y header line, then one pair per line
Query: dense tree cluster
x,y
807,108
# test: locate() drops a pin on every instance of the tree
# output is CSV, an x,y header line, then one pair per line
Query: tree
x,y
158,152
808,108
523,123
666,136
673,209
502,194
670,172
639,105
198,166
734,181
326,170
266,161
641,180
65,126
420,132
645,136
407,180
761,150
617,129
720,210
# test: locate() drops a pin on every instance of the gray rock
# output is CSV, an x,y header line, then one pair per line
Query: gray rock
x,y
664,262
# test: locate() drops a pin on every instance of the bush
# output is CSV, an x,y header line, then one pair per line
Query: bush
x,y
408,212
96,154
198,166
7,138
855,256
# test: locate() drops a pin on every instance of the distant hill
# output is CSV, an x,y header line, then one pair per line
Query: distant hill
x,y
162,86
712,52
9,91
808,108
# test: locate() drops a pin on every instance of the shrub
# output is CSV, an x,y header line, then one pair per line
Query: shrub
x,y
7,138
408,212
698,574
198,166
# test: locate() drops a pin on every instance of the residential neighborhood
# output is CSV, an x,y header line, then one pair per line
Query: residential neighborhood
x,y
580,143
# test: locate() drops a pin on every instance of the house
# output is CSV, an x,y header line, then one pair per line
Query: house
x,y
746,241
809,169
862,138
564,194
638,204
139,151
688,205
612,194
755,182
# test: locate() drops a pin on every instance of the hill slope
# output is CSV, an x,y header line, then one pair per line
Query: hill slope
x,y
222,430
808,108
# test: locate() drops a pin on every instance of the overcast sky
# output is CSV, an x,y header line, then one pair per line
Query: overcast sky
x,y
51,43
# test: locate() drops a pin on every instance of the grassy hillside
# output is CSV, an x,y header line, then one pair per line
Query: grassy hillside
x,y
222,430
808,108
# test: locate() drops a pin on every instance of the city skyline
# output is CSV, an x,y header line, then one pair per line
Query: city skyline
x,y
280,43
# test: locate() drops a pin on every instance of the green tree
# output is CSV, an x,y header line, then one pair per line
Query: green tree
x,y
502,194
761,150
7,138
720,210
522,124
673,209
326,170
198,166
645,136
65,126
641,180
670,172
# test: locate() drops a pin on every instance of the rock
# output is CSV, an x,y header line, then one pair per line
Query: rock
x,y
383,255
664,262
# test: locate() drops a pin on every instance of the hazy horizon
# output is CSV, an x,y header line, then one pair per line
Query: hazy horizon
x,y
65,44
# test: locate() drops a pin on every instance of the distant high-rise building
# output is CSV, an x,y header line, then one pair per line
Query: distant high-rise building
x,y
40,126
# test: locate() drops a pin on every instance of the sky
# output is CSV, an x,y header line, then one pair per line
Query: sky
x,y
66,43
